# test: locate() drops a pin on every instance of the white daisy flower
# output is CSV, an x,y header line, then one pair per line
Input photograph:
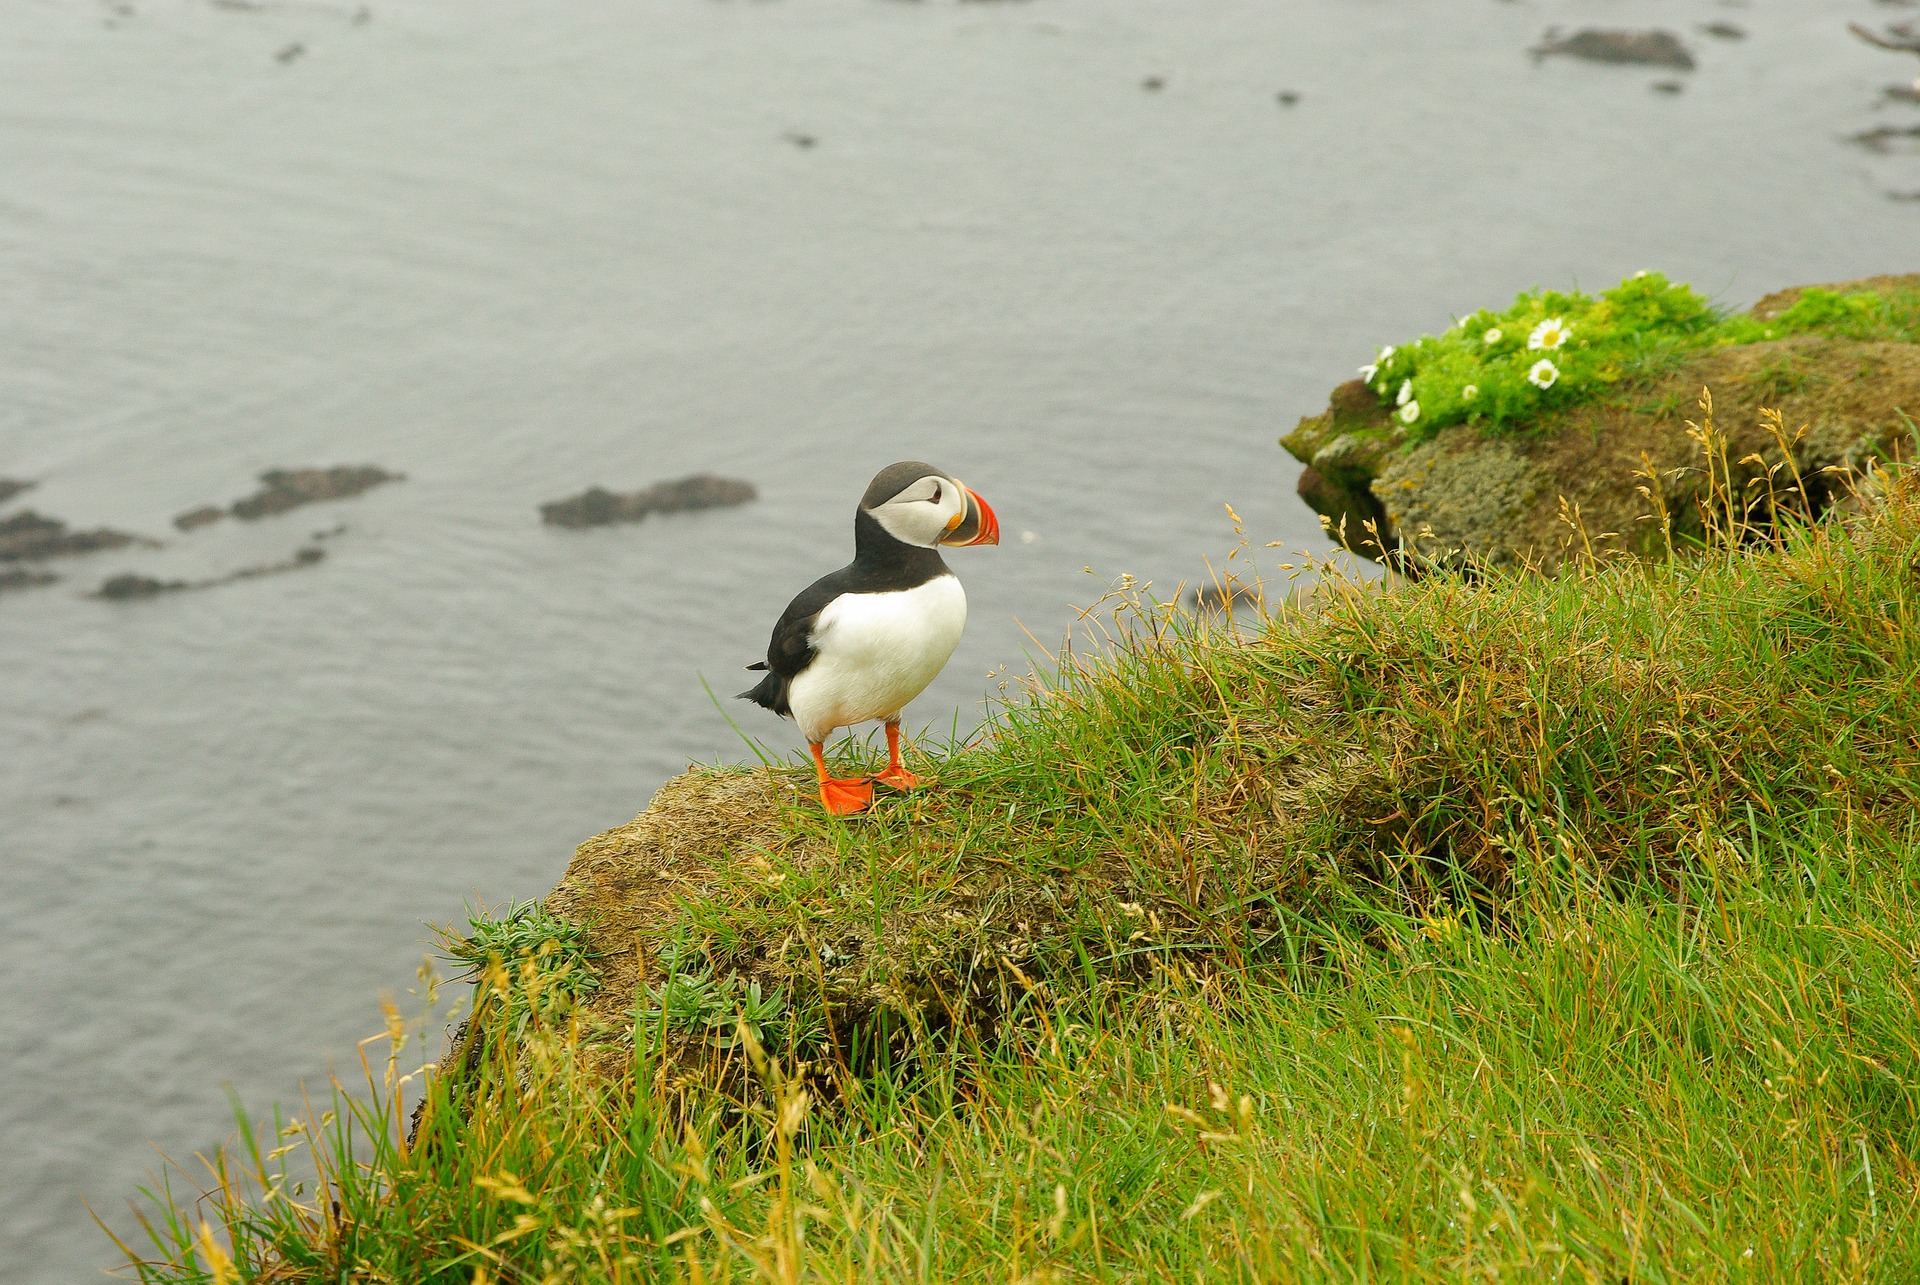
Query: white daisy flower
x,y
1406,394
1492,336
1368,372
1543,374
1409,412
1470,392
1549,334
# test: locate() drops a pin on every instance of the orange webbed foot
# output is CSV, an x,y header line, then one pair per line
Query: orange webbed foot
x,y
899,778
846,798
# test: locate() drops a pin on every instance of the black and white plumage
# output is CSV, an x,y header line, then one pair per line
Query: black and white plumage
x,y
856,645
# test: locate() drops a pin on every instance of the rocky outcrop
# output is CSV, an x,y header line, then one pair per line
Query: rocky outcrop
x,y
12,486
24,578
130,586
126,586
1578,477
597,506
289,488
27,535
205,515
1645,48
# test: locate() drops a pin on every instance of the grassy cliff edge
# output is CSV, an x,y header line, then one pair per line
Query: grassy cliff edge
x,y
1529,928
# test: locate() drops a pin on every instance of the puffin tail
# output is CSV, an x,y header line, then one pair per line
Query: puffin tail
x,y
769,693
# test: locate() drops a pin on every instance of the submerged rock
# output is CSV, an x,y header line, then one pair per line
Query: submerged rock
x,y
302,557
598,506
1644,48
1577,477
284,489
1887,139
28,535
202,516
137,586
24,578
12,486
131,586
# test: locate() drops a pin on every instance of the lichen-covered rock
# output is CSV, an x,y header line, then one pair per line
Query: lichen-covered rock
x,y
1578,477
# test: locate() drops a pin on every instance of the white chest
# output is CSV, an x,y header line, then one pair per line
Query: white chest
x,y
874,652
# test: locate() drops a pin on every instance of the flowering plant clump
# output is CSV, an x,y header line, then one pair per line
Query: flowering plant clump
x,y
1553,348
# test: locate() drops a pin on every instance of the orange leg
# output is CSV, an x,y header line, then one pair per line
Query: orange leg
x,y
896,774
841,798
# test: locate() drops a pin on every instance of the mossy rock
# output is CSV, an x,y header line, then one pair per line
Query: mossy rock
x,y
1577,478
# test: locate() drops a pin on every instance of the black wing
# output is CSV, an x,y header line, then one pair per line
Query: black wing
x,y
790,650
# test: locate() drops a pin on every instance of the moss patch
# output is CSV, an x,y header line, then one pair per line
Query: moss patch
x,y
1457,494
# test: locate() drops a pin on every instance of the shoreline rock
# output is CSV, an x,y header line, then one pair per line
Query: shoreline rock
x,y
12,486
597,506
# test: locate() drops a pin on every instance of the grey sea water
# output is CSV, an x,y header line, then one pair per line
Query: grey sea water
x,y
516,249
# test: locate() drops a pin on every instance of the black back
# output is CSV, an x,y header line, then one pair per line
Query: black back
x,y
881,564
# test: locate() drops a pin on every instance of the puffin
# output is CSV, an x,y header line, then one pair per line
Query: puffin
x,y
857,645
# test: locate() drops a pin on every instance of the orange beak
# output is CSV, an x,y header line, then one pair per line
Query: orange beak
x,y
977,525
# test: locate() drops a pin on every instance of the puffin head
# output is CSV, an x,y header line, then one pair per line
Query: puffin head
x,y
918,504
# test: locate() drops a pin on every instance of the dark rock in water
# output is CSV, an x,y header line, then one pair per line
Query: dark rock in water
x,y
1648,48
199,517
24,578
1286,98
1903,93
29,535
598,506
1153,84
283,489
12,486
1886,138
1230,596
1668,87
1902,37
133,586
120,588
304,557
1725,30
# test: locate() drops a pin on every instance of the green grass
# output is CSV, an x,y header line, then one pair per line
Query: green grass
x,y
1528,929
1507,369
